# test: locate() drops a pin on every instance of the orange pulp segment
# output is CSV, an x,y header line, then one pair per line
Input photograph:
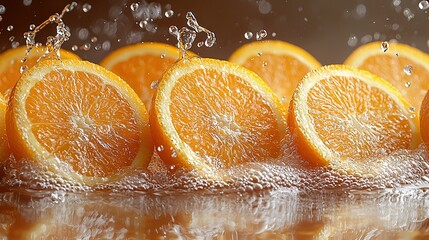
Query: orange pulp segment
x,y
4,146
10,64
209,115
142,66
340,114
78,119
405,67
280,64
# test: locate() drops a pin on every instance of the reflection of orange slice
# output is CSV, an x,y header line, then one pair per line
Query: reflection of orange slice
x,y
210,114
280,64
79,119
142,66
405,67
339,114
10,64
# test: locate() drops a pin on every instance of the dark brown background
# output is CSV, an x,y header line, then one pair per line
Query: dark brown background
x,y
322,27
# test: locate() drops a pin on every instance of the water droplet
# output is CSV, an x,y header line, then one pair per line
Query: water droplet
x,y
2,9
32,27
106,45
408,84
9,28
200,44
173,153
94,39
412,116
264,64
15,44
160,148
134,6
408,70
23,68
264,7
11,38
396,3
97,47
1,18
412,109
353,41
259,54
261,35
71,6
162,56
83,33
27,2
142,23
154,84
384,46
408,14
169,13
86,46
423,5
86,7
74,48
248,35
173,30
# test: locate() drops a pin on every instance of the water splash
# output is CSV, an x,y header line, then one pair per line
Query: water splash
x,y
384,46
53,43
186,37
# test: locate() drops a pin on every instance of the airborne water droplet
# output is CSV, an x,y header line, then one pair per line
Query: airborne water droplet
x,y
384,46
248,35
264,64
408,84
169,13
75,48
2,9
162,56
160,148
9,28
408,70
154,84
86,7
23,68
261,35
423,5
134,6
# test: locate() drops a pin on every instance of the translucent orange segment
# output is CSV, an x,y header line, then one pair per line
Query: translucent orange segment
x,y
141,71
223,119
96,139
271,68
360,125
391,68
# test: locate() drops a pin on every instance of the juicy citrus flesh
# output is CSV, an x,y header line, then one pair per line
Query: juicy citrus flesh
x,y
392,66
281,65
211,114
339,113
142,66
79,114
424,119
10,64
4,146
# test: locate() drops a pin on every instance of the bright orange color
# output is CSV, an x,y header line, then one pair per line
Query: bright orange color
x,y
424,119
4,147
390,66
142,66
281,65
209,115
79,119
10,64
340,114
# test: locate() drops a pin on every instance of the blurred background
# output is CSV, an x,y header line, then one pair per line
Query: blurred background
x,y
329,30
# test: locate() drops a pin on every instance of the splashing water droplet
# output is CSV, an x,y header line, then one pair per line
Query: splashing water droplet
x,y
160,148
94,39
200,44
32,27
74,48
134,6
248,35
2,9
86,7
259,54
70,7
384,46
173,153
162,56
264,64
9,28
11,38
23,68
142,23
154,84
86,46
408,69
412,109
423,5
169,13
408,84
261,35
27,2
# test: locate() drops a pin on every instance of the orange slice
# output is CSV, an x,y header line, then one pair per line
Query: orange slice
x,y
209,115
281,65
405,67
10,64
424,119
142,66
79,120
340,115
4,146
